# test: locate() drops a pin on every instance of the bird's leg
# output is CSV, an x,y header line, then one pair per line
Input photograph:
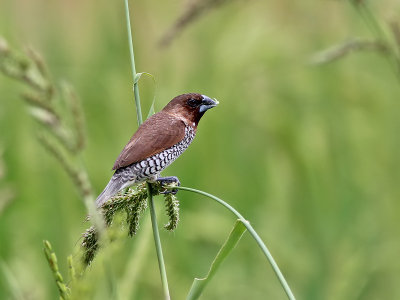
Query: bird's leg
x,y
167,181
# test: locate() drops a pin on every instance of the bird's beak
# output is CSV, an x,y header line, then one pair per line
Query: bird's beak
x,y
207,103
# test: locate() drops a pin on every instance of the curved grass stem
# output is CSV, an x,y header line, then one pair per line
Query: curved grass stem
x,y
253,233
156,234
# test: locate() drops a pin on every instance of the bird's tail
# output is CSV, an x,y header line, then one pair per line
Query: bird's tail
x,y
115,184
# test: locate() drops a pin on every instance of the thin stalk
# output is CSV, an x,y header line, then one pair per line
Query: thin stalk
x,y
253,233
157,242
156,234
135,82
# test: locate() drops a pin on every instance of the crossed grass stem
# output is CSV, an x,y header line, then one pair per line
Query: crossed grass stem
x,y
385,41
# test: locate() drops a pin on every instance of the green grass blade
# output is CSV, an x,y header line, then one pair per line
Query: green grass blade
x,y
234,237
139,75
137,78
136,81
252,232
152,110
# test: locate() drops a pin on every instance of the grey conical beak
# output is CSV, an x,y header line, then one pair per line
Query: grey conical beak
x,y
207,103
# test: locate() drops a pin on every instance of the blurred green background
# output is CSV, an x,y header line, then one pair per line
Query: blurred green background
x,y
309,154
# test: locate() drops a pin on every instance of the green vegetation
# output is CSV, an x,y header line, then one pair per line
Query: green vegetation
x,y
309,153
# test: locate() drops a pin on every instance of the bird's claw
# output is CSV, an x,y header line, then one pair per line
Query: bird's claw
x,y
170,180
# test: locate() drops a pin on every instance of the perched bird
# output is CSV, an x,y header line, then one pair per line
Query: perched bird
x,y
160,140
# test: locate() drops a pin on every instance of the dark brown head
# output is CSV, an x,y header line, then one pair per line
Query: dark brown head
x,y
190,106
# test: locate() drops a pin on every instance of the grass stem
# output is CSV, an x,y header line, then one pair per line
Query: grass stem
x,y
156,234
157,242
253,233
132,54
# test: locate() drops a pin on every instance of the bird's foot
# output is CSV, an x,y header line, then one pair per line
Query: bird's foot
x,y
170,180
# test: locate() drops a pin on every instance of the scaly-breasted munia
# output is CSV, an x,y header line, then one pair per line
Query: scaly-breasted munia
x,y
160,140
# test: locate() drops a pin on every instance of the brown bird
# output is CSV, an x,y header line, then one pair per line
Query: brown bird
x,y
160,140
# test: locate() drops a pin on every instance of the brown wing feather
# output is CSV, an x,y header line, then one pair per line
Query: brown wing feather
x,y
159,132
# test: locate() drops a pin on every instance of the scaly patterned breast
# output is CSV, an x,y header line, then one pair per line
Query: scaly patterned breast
x,y
153,165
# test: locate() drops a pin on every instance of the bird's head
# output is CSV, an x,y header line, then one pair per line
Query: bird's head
x,y
190,106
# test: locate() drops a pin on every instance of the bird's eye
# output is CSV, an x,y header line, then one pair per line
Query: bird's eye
x,y
192,102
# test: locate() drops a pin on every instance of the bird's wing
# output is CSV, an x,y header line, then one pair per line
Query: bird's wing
x,y
159,132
